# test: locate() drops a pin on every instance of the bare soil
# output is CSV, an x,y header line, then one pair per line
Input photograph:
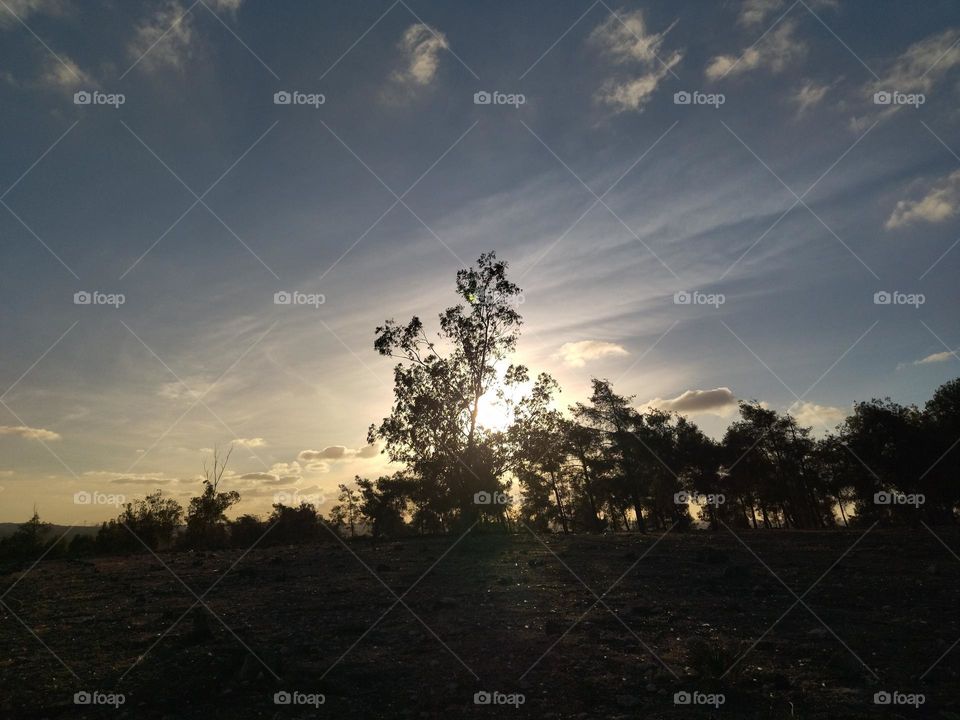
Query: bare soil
x,y
505,613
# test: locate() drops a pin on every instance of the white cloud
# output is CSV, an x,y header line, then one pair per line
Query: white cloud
x,y
627,42
337,452
30,433
773,53
937,357
66,75
420,46
810,414
922,65
754,12
809,95
694,401
940,203
165,38
251,442
23,9
578,354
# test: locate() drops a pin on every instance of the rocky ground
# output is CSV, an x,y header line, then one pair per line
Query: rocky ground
x,y
518,615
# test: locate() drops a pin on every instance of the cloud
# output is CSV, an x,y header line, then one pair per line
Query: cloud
x,y
694,401
578,354
773,54
251,442
165,38
420,46
922,65
810,414
937,357
625,41
939,204
809,95
754,12
23,9
30,433
337,452
919,69
65,76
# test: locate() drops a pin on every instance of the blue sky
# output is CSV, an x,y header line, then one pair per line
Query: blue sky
x,y
780,201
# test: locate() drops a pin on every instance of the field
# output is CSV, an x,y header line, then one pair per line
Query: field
x,y
517,615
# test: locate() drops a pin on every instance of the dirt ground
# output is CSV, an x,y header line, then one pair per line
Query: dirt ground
x,y
723,617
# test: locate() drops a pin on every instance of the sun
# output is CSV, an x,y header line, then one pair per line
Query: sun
x,y
493,414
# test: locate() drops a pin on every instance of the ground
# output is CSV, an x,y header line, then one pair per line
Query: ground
x,y
515,614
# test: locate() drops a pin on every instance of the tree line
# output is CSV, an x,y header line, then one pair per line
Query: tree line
x,y
603,466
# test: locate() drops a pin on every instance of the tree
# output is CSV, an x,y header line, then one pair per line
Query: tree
x,y
346,514
438,385
206,515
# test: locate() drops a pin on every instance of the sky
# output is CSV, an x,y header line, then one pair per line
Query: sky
x,y
703,202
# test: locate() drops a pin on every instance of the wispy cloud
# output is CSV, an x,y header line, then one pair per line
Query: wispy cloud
x,y
626,41
773,54
937,357
420,49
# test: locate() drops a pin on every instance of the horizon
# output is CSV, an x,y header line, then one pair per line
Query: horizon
x,y
792,243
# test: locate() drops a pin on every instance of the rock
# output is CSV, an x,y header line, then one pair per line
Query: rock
x,y
383,567
628,700
447,602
